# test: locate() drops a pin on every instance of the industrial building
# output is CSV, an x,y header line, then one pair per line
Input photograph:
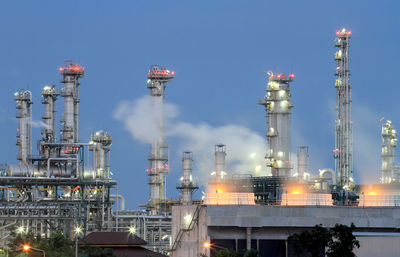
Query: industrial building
x,y
262,212
57,190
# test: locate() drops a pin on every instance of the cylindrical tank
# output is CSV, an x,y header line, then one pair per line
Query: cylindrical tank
x,y
29,170
220,164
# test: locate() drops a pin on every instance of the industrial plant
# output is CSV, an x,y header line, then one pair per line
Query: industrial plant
x,y
57,190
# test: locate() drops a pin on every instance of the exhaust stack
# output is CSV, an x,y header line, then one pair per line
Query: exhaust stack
x,y
187,185
302,161
220,164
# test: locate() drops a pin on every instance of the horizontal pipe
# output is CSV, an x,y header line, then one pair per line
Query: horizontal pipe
x,y
121,200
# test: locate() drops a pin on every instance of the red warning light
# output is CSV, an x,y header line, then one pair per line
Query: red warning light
x,y
291,75
72,68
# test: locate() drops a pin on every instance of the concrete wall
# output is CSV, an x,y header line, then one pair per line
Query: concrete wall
x,y
381,246
233,222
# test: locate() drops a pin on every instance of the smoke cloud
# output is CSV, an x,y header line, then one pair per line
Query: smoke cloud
x,y
245,148
143,117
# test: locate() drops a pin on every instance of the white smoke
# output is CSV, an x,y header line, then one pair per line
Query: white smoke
x,y
245,148
143,117
39,124
367,143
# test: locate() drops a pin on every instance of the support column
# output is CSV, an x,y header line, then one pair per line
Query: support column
x,y
248,238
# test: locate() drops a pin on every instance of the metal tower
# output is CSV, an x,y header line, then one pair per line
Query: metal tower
x,y
278,110
389,142
187,185
159,154
24,134
343,152
71,74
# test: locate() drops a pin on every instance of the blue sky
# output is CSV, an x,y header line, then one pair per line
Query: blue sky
x,y
219,50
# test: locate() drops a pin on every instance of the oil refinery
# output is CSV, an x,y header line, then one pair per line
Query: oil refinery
x,y
56,189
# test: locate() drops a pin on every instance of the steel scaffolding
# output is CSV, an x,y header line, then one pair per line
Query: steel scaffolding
x,y
343,152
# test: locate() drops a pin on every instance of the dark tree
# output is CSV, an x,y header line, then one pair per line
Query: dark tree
x,y
311,242
343,241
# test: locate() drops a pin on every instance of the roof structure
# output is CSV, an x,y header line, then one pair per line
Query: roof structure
x,y
123,244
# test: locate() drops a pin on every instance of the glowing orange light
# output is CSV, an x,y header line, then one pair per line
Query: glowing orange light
x,y
349,33
372,193
26,247
76,188
295,192
207,245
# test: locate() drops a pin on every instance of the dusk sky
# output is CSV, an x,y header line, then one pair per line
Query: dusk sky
x,y
220,51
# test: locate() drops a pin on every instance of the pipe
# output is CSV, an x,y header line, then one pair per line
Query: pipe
x,y
323,171
121,199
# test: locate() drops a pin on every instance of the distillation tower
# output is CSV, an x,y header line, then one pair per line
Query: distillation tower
x,y
389,142
24,133
55,190
278,110
157,78
343,152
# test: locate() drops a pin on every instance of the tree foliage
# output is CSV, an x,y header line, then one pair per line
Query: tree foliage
x,y
311,242
343,241
339,241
